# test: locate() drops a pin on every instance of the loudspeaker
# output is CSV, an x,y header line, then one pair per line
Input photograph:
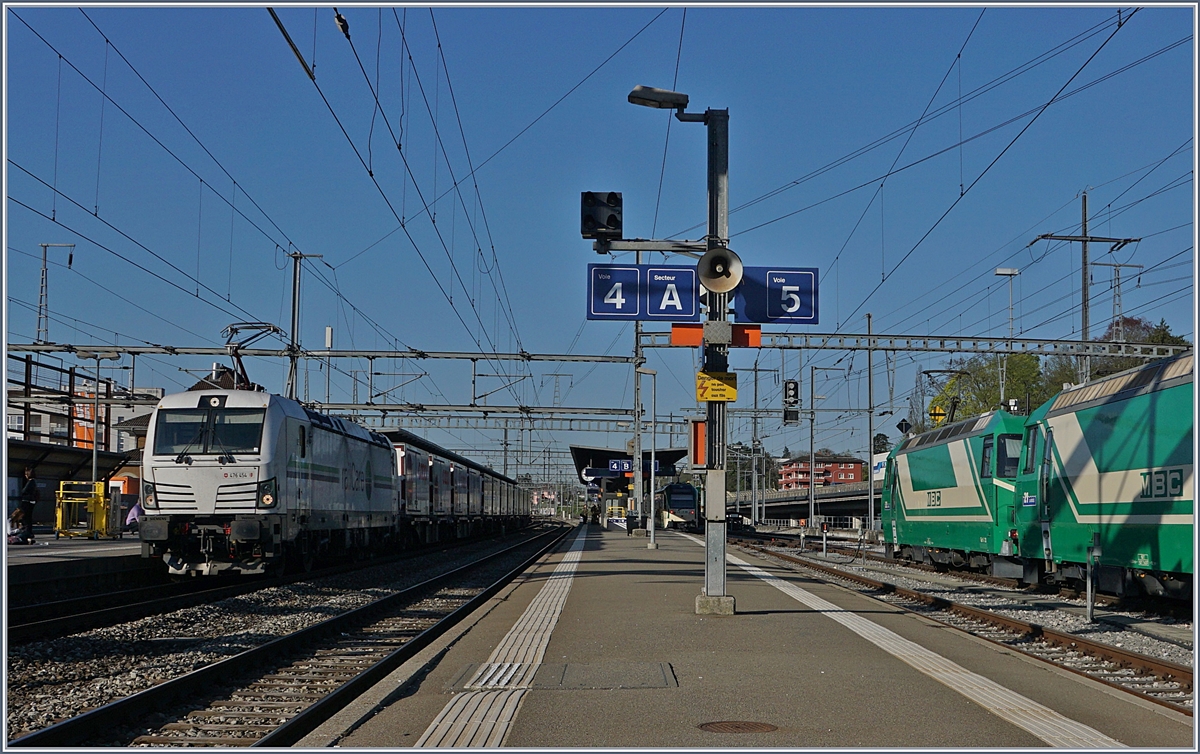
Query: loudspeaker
x,y
720,270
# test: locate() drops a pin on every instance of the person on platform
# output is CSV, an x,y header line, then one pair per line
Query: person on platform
x,y
135,513
29,498
16,528
630,523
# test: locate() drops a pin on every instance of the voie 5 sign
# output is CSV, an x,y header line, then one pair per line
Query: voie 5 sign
x,y
771,294
643,292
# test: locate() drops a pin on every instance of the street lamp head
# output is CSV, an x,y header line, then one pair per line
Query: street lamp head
x,y
108,355
648,96
1007,271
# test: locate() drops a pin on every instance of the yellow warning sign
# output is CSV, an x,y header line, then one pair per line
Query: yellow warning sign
x,y
716,386
937,413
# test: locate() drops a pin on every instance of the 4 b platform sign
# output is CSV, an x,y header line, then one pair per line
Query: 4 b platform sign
x,y
716,386
643,292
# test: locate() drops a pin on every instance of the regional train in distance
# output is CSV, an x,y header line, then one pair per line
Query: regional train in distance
x,y
1101,470
243,481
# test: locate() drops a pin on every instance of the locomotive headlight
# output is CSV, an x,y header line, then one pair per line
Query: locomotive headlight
x,y
267,493
149,499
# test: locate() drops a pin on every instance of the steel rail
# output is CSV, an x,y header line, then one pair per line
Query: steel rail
x,y
1160,668
72,731
48,620
310,717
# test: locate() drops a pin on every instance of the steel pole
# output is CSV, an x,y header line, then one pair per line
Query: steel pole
x,y
637,411
653,452
716,359
294,340
870,431
1086,371
812,440
96,422
754,509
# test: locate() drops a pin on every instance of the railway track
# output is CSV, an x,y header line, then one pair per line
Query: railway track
x,y
1165,683
1169,608
274,694
49,620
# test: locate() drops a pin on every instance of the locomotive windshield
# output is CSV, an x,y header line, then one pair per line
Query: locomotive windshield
x,y
678,497
1008,456
201,430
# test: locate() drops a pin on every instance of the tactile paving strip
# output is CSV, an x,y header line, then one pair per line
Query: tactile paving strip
x,y
481,717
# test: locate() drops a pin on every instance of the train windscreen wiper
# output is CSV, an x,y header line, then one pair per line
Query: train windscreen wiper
x,y
225,456
183,453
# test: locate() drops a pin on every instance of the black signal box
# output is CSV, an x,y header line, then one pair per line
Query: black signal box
x,y
600,215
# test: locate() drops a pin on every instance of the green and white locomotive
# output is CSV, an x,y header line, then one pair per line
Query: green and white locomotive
x,y
1103,470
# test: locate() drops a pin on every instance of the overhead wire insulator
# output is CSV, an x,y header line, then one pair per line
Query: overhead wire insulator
x,y
342,24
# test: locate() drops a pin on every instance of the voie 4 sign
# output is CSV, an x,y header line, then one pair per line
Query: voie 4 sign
x,y
643,292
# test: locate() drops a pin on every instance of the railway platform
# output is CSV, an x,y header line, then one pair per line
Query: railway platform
x,y
67,567
600,646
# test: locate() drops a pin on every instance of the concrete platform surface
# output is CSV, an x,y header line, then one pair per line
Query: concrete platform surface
x,y
600,646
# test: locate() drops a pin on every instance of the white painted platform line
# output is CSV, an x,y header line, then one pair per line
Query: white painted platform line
x,y
1041,721
481,716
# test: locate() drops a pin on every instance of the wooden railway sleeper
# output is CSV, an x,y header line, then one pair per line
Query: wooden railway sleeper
x,y
181,741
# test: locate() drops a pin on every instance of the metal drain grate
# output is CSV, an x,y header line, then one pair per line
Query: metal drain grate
x,y
737,726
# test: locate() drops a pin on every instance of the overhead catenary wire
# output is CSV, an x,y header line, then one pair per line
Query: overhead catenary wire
x,y
446,294
911,132
978,92
990,165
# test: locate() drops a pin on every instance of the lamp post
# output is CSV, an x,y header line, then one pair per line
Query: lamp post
x,y
1010,273
653,447
727,271
97,355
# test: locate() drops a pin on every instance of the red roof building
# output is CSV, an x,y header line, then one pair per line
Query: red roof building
x,y
829,469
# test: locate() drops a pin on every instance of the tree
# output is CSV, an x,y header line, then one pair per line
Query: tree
x,y
1132,330
977,387
881,444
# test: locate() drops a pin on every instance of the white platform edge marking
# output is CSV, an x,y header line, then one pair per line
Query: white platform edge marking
x,y
481,717
1043,722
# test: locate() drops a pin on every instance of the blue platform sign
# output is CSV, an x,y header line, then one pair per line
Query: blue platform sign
x,y
643,292
672,294
614,292
777,294
616,464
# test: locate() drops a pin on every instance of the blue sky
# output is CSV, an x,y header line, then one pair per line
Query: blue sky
x,y
822,102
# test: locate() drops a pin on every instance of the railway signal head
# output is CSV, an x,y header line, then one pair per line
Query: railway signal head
x,y
791,393
600,214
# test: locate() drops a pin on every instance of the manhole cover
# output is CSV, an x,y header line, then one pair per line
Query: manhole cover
x,y
737,726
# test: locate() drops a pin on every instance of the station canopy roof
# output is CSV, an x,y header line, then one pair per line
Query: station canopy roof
x,y
62,462
586,457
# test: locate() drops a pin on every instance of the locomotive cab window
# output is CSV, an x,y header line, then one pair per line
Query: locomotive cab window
x,y
985,462
1031,438
1008,455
